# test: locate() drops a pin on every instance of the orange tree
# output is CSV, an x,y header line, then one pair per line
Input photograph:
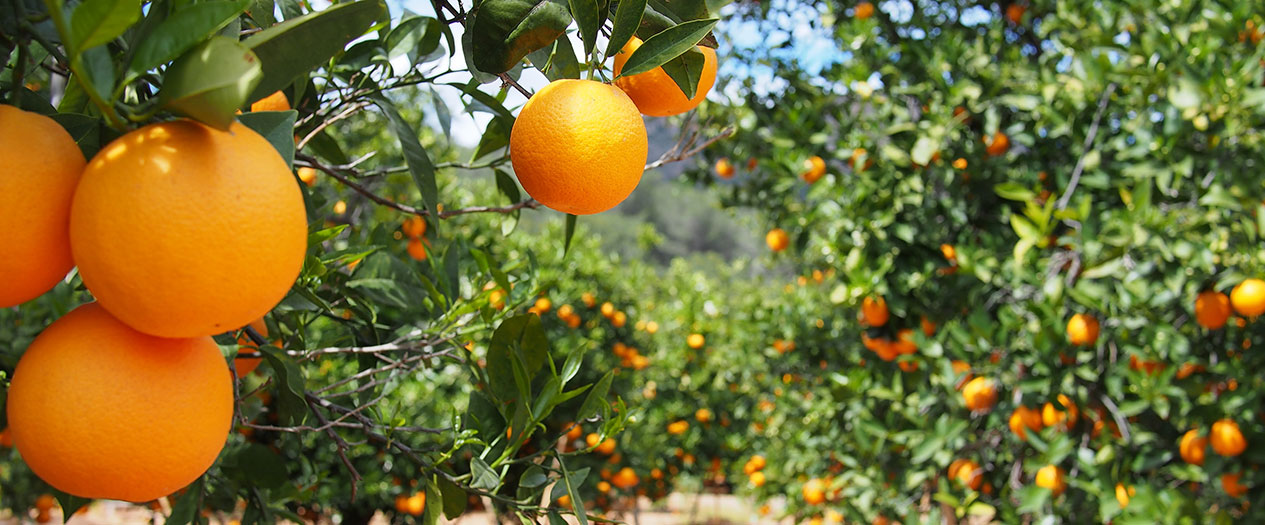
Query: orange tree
x,y
395,372
1048,188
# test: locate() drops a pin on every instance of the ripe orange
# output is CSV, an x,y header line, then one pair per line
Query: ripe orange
x,y
856,158
274,102
814,492
574,431
928,327
980,394
1014,13
695,341
1052,416
1052,477
45,502
1023,419
678,427
864,10
757,479
996,145
1123,494
814,169
625,478
967,472
703,415
904,344
155,210
1226,438
416,504
1248,297
777,239
40,165
654,92
543,305
874,311
724,169
6,438
245,365
564,501
307,176
1082,330
1193,447
1212,309
413,227
1230,484
100,410
416,249
579,146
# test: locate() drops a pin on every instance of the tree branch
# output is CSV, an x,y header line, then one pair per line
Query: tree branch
x,y
1089,141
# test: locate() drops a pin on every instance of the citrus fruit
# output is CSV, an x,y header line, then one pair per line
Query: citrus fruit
x,y
814,169
814,492
654,92
777,239
724,169
1123,494
1052,477
968,473
1014,13
1193,447
695,341
1230,484
996,145
274,102
39,167
1226,438
1082,330
416,249
245,365
155,216
874,311
579,146
100,410
307,176
980,394
757,479
413,227
625,478
864,10
1248,297
1212,309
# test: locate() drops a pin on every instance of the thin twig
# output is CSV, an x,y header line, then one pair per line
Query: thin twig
x,y
673,155
1089,142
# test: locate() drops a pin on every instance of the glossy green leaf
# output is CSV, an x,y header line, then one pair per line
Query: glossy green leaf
x,y
415,156
277,127
183,30
95,22
297,46
505,31
585,13
665,46
624,25
211,81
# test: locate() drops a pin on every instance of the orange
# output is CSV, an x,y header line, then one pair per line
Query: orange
x,y
588,299
1014,13
1193,447
1230,484
625,478
155,210
724,169
416,504
703,415
1226,438
757,479
856,158
950,253
401,503
1248,297
1212,309
416,249
695,341
608,310
246,365
1023,419
579,146
814,492
654,92
864,10
543,305
1052,477
968,473
678,427
980,394
777,239
757,462
6,438
1052,416
603,487
1082,330
101,411
904,344
574,431
874,311
959,163
564,501
413,227
928,327
1123,494
307,176
340,207
997,144
274,102
40,165
814,169
45,502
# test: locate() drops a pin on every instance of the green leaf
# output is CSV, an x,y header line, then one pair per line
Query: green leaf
x,y
186,508
277,127
455,500
262,467
624,26
299,45
505,31
1023,228
210,82
924,149
519,340
95,22
183,30
415,156
434,504
577,506
482,476
570,232
595,398
557,61
70,504
586,17
1014,191
533,477
291,404
665,46
686,71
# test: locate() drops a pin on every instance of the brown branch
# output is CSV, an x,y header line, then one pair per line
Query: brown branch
x,y
342,448
507,81
1089,141
675,155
